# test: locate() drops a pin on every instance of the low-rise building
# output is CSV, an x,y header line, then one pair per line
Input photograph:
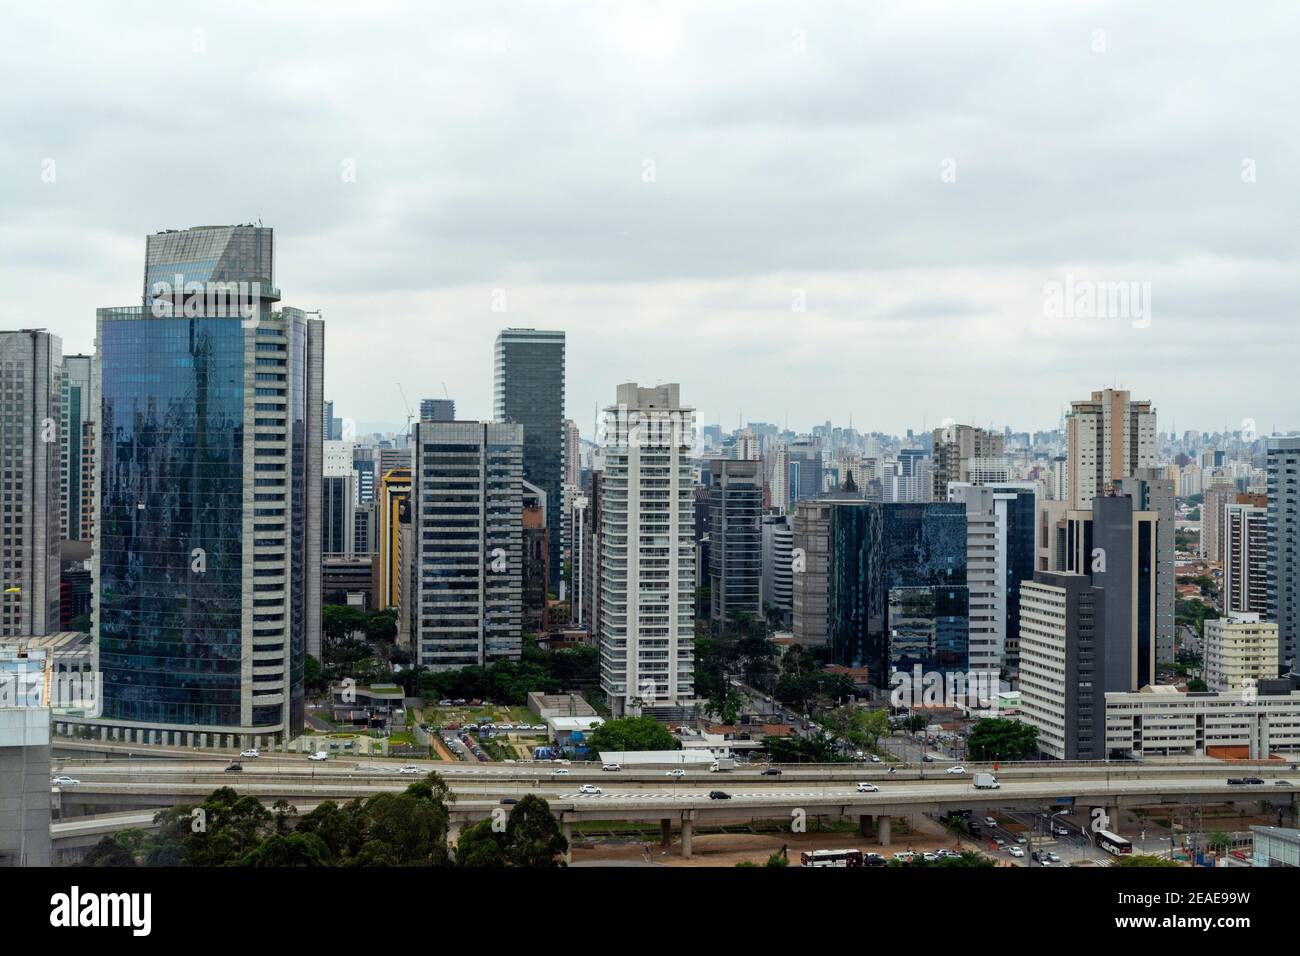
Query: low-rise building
x,y
1240,650
1163,721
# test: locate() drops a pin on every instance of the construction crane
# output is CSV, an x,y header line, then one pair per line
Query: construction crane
x,y
410,415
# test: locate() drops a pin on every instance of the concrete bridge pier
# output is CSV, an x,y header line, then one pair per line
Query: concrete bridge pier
x,y
687,826
882,825
864,825
666,832
566,830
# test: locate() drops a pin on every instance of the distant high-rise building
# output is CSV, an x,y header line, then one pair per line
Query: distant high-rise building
x,y
207,549
1284,545
647,557
77,408
394,495
1219,490
572,454
810,533
437,410
528,371
533,557
30,449
466,571
735,541
804,464
1109,437
1245,555
959,447
338,500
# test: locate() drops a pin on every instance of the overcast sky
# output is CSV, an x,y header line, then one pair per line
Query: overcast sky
x,y
671,183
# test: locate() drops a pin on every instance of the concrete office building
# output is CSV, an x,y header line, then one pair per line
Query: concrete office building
x,y
1108,437
466,568
1245,555
1160,721
1062,661
30,392
647,556
207,550
778,575
1283,457
1240,651
1219,491
736,542
528,389
394,494
805,472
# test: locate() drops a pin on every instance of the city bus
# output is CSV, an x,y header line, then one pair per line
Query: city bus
x,y
830,858
1112,843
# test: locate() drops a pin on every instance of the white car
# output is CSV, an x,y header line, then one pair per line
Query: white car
x,y
610,766
677,772
319,755
868,788
560,772
1015,851
409,768
250,753
956,770
505,727
62,781
990,822
875,759
590,788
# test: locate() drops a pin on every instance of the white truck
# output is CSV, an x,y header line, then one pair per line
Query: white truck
x,y
723,763
986,781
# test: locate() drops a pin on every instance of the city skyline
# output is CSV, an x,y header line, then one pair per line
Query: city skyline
x,y
694,182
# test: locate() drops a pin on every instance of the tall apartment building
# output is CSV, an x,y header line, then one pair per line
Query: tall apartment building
x,y
735,541
647,557
25,755
1283,458
1108,437
1063,659
76,408
1245,555
533,558
958,448
30,478
572,454
207,551
466,569
1220,490
528,389
1240,651
778,573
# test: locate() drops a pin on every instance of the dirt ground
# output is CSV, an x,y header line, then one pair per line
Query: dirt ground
x,y
728,849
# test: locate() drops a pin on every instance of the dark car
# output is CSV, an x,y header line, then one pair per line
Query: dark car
x,y
1253,780
771,772
1234,781
235,768
1282,783
506,801
719,795
874,859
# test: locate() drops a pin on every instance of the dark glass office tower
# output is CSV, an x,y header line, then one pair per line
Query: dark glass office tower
x,y
897,593
528,374
209,470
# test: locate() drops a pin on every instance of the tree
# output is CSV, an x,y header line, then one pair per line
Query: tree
x,y
997,738
533,836
631,733
480,845
777,859
109,852
860,727
289,849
